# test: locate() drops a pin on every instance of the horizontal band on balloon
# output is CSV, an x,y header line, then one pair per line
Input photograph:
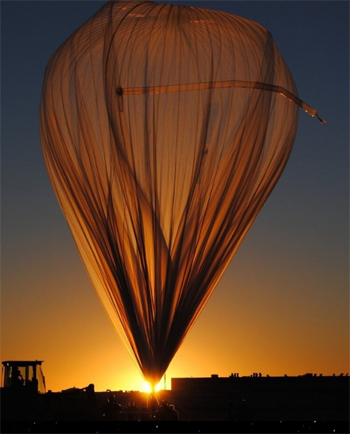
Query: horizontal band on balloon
x,y
157,90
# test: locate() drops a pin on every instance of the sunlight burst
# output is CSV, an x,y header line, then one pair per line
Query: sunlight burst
x,y
146,387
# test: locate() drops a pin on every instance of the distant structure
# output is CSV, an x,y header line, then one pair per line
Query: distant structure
x,y
257,397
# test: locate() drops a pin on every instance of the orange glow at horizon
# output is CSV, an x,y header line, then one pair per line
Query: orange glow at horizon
x,y
256,321
240,330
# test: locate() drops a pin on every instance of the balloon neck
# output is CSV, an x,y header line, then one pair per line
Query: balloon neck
x,y
152,380
153,388
152,401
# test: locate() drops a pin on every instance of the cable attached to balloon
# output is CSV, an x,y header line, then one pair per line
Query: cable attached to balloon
x,y
157,90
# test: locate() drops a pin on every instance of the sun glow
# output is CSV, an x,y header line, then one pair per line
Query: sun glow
x,y
146,387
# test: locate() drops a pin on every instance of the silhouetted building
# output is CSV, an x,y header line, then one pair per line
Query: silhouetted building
x,y
306,397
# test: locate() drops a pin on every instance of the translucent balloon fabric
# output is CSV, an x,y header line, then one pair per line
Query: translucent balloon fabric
x,y
164,129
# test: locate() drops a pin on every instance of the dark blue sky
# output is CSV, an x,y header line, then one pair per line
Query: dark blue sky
x,y
296,254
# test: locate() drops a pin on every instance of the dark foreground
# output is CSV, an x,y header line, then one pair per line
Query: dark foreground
x,y
256,405
177,427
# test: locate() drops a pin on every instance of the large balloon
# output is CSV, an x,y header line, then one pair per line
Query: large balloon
x,y
164,130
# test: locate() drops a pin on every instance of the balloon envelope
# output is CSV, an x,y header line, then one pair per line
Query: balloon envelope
x,y
164,130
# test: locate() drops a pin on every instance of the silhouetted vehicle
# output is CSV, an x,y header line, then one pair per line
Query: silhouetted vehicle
x,y
23,390
24,376
24,397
